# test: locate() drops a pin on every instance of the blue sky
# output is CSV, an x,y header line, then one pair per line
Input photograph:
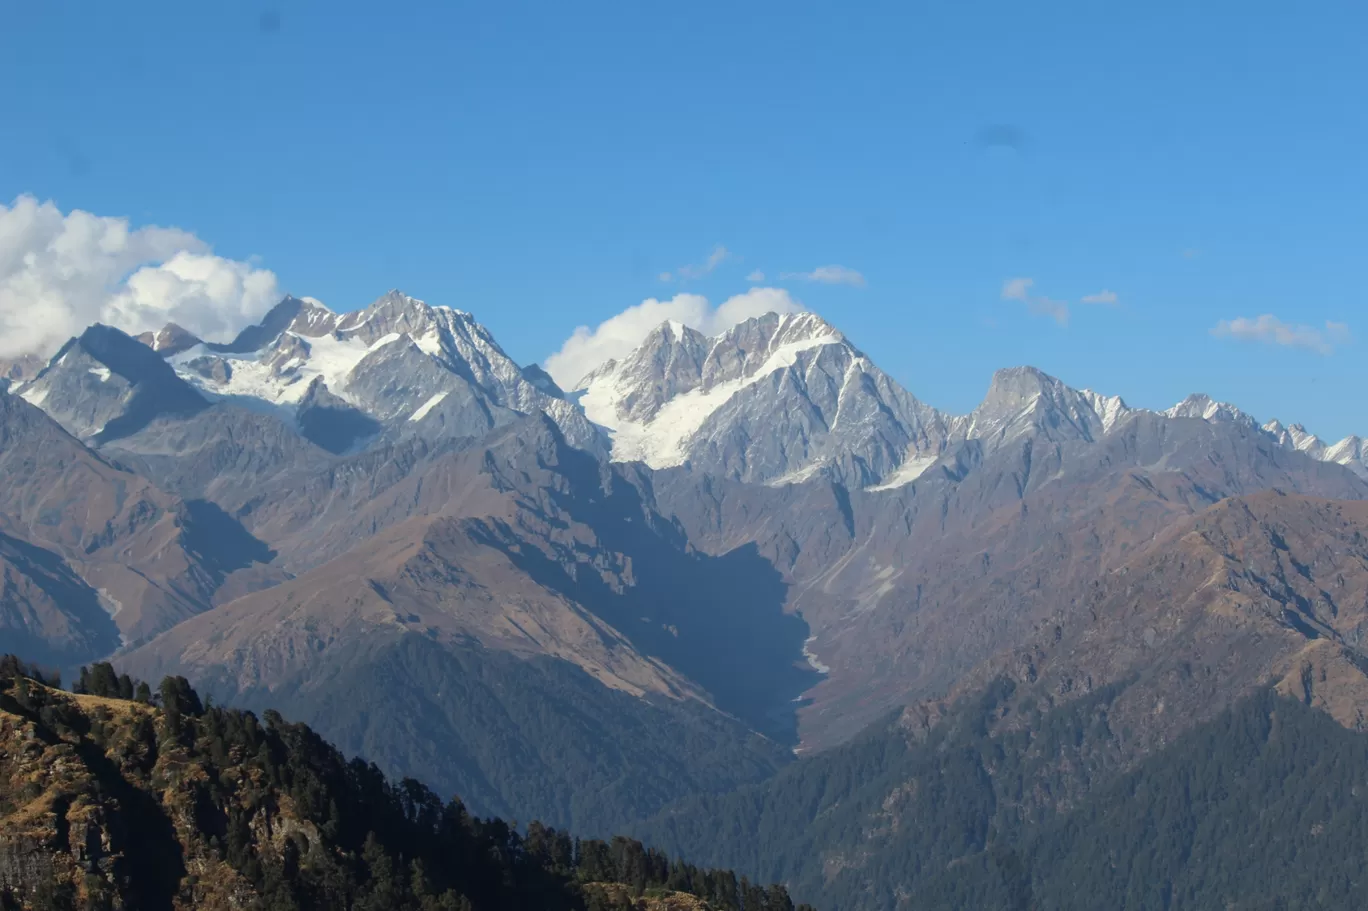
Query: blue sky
x,y
542,164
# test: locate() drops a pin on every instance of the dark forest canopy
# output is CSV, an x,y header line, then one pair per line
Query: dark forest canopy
x,y
357,840
1265,806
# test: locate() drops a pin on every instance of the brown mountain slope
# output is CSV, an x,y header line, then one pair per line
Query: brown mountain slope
x,y
908,590
47,612
517,600
1266,588
451,580
153,559
523,544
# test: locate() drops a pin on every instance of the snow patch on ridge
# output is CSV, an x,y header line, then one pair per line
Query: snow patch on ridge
x,y
427,406
251,376
34,397
911,469
1108,408
812,658
661,441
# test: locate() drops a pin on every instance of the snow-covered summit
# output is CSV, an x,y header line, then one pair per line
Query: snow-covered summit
x,y
774,399
1200,405
410,366
104,385
1348,452
1025,400
783,398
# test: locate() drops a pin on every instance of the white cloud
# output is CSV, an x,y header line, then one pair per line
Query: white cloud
x,y
756,276
1055,310
828,275
61,272
1272,331
1102,297
1019,289
616,336
717,257
740,307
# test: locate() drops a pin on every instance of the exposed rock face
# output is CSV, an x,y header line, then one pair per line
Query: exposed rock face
x,y
907,590
775,400
331,422
1024,402
172,339
20,369
58,823
1259,589
408,367
106,385
1348,452
780,399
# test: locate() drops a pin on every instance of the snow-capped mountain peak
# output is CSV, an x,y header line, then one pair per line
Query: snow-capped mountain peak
x,y
1202,406
104,384
1027,401
1347,452
171,339
408,365
775,398
1110,409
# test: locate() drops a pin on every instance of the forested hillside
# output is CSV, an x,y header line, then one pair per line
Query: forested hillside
x,y
121,798
1266,806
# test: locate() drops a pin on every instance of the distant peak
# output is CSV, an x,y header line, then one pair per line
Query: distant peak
x,y
1016,386
1024,372
295,305
394,295
99,334
170,340
312,303
396,301
538,377
672,331
1201,405
1018,393
776,329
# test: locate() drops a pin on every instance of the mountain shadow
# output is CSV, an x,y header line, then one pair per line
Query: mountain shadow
x,y
221,543
331,423
157,390
527,738
719,620
48,613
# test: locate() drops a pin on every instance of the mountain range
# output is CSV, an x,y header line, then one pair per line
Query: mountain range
x,y
709,557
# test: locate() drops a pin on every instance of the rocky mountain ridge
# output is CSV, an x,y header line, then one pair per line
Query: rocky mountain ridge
x,y
783,398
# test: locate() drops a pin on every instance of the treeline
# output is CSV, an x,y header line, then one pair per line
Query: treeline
x,y
360,841
102,680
